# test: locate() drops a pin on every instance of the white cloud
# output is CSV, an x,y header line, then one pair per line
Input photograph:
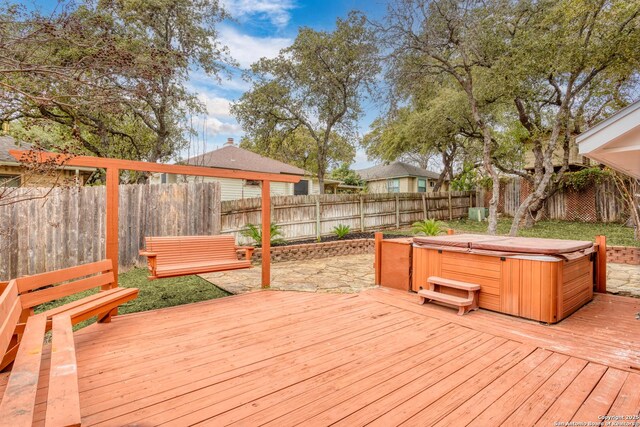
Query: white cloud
x,y
247,49
274,11
214,126
216,106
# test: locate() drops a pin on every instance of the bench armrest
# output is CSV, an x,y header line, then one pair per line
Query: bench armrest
x,y
151,260
248,251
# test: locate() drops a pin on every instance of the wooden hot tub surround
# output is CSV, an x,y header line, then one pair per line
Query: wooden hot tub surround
x,y
540,279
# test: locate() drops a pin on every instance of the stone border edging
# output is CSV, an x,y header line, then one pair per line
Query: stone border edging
x,y
623,255
317,250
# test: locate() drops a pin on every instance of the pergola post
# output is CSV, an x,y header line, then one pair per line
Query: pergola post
x,y
113,184
266,234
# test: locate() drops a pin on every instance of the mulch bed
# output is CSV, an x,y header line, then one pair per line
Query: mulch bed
x,y
350,236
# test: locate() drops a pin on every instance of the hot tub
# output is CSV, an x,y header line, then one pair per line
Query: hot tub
x,y
539,279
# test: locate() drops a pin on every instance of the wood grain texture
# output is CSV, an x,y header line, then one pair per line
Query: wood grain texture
x,y
317,359
63,399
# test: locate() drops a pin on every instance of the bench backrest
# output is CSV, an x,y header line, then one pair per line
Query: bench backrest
x,y
10,310
61,283
185,249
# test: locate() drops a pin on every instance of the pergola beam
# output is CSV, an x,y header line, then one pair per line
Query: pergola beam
x,y
113,168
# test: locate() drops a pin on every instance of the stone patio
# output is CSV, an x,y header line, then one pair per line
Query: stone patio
x,y
345,274
623,279
353,273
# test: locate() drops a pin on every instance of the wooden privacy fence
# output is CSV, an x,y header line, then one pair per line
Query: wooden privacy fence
x,y
304,217
599,202
67,227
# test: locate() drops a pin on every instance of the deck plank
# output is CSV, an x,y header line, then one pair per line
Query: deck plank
x,y
285,358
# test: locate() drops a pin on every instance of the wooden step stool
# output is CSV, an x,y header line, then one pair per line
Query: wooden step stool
x,y
464,304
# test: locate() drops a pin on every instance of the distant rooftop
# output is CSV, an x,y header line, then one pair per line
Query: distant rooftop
x,y
232,157
395,170
9,143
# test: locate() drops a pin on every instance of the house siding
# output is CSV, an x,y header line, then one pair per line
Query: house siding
x,y
407,185
230,188
29,179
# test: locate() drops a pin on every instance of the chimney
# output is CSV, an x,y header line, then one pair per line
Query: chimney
x,y
229,141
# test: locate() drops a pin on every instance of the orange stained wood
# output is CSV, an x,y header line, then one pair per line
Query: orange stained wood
x,y
601,264
377,265
113,168
266,234
376,357
108,163
182,255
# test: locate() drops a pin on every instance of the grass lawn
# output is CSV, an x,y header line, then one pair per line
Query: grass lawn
x,y
153,294
617,234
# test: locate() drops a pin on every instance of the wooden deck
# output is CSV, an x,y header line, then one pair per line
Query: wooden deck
x,y
285,358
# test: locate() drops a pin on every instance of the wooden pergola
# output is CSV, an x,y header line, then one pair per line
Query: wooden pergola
x,y
113,168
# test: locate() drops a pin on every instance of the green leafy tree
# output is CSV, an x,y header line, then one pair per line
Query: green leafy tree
x,y
113,72
345,174
461,41
569,64
300,149
316,84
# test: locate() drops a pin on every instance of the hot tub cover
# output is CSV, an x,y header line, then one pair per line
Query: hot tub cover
x,y
453,240
520,245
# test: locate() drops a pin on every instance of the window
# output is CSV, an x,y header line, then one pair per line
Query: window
x,y
163,178
393,185
432,184
422,185
9,180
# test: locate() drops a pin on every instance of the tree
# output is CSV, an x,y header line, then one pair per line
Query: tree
x,y
113,72
346,175
316,84
461,40
570,62
436,124
300,149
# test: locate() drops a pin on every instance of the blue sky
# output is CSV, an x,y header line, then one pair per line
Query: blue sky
x,y
261,28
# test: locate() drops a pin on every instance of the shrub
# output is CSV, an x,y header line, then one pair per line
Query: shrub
x,y
341,230
254,232
428,227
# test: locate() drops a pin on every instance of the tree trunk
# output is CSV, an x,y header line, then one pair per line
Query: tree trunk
x,y
486,160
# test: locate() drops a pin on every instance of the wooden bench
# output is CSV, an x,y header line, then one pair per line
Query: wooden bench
x,y
41,288
183,255
464,304
22,335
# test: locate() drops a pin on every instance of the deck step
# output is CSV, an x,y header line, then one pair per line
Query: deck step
x,y
446,298
450,283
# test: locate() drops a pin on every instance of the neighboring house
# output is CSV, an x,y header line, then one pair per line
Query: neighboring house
x,y
576,160
399,177
232,157
15,174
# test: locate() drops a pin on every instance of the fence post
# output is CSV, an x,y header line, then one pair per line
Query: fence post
x,y
470,199
397,211
378,257
424,205
601,264
318,222
361,213
450,207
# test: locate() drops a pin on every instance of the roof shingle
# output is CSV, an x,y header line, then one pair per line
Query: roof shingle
x,y
232,157
395,170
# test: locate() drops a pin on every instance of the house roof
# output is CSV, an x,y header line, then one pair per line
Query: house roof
x,y
232,157
8,143
395,170
615,141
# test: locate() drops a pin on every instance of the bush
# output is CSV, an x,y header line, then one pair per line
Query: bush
x,y
428,227
254,232
341,230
